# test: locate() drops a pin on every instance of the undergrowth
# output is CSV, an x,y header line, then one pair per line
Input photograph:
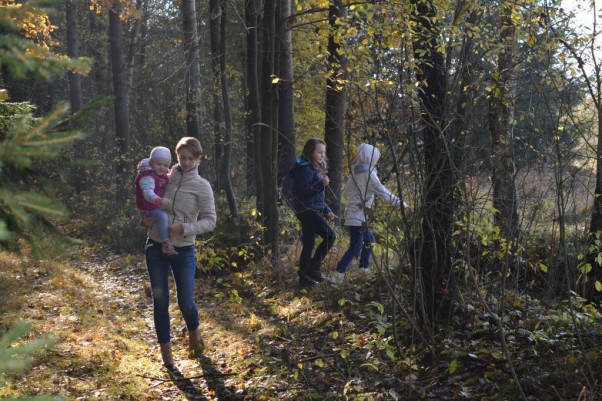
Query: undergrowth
x,y
268,340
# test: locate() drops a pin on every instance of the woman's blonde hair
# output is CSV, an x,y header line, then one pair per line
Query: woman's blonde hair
x,y
191,144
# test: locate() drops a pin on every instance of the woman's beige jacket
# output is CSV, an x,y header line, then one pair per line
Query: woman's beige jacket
x,y
192,206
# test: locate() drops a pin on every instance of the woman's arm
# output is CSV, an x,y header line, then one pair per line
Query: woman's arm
x,y
207,217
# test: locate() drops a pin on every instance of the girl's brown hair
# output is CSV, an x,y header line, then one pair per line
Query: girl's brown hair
x,y
191,144
308,150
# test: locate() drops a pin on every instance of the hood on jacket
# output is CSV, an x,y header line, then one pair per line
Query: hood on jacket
x,y
366,158
299,162
302,161
143,165
367,154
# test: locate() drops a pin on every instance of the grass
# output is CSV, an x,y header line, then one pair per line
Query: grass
x,y
267,340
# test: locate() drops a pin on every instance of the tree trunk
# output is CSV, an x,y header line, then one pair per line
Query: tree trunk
x,y
335,104
501,124
75,86
120,91
101,79
254,176
437,226
286,109
226,167
192,68
215,12
269,126
596,219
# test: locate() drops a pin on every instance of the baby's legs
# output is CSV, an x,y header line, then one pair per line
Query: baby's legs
x,y
162,222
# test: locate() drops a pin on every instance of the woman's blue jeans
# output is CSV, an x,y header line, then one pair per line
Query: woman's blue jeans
x,y
360,243
183,267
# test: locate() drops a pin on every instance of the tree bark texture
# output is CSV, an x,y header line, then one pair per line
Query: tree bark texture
x,y
226,166
269,126
437,226
336,97
254,177
120,92
501,124
215,12
75,86
192,70
286,109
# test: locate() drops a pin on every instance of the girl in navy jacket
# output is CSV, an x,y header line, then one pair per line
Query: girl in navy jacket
x,y
309,181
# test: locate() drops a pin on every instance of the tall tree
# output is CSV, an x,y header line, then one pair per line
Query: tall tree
x,y
215,13
120,92
269,124
286,109
437,224
501,124
75,86
586,56
336,96
100,77
192,70
253,102
226,163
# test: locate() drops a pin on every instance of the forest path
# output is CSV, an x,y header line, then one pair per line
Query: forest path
x,y
98,304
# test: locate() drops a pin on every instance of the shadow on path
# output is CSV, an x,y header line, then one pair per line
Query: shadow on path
x,y
186,385
215,380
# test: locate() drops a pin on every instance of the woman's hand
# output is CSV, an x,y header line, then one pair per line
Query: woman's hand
x,y
175,229
330,216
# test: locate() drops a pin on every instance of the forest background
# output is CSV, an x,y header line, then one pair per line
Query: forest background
x,y
488,116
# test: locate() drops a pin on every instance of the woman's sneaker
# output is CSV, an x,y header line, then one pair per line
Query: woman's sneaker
x,y
364,270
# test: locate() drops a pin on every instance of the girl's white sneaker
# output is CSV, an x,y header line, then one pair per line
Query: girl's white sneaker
x,y
337,278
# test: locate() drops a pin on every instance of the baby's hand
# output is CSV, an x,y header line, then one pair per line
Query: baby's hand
x,y
165,203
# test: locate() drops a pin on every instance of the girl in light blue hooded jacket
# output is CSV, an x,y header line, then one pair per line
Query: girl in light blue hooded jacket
x,y
362,186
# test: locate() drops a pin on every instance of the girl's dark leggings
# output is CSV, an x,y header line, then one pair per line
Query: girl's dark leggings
x,y
313,224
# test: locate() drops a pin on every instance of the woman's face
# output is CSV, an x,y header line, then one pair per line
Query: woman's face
x,y
186,160
317,157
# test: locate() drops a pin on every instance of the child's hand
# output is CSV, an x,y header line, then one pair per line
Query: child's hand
x,y
330,216
165,203
325,180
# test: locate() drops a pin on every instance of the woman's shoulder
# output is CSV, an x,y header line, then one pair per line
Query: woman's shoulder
x,y
197,180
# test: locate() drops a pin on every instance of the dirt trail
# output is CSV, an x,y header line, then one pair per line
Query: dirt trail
x,y
99,306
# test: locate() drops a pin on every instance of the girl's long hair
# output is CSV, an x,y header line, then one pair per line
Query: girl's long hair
x,y
308,150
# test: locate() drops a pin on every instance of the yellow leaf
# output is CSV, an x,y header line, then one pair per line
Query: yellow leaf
x,y
598,286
